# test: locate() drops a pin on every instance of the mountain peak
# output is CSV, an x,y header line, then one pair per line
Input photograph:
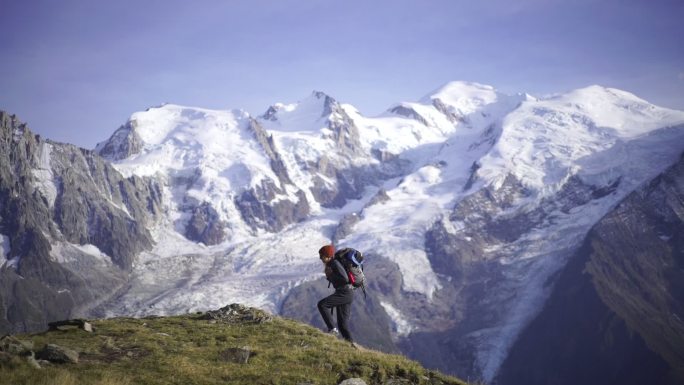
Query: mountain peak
x,y
318,105
463,97
330,105
626,113
123,143
596,92
460,85
460,89
320,95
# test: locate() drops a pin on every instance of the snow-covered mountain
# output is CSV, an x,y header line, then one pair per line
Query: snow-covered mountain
x,y
476,199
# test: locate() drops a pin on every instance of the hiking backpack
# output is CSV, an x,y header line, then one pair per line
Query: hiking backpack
x,y
352,260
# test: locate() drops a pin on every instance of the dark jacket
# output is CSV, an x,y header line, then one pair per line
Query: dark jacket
x,y
336,274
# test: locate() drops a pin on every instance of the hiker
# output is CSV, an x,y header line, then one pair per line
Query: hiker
x,y
341,299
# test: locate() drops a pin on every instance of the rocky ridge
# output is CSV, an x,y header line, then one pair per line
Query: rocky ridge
x,y
73,224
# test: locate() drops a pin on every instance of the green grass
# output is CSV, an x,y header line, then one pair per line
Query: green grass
x,y
185,350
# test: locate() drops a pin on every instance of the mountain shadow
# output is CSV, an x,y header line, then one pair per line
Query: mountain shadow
x,y
615,313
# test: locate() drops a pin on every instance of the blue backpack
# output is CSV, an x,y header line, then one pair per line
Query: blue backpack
x,y
352,260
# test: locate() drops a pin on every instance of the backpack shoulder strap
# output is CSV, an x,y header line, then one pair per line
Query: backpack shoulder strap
x,y
341,252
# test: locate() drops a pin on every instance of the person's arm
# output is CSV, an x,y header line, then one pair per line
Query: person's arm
x,y
337,266
328,272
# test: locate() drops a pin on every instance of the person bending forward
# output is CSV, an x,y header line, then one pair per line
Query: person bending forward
x,y
341,299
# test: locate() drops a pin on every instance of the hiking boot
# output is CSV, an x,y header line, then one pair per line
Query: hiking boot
x,y
334,332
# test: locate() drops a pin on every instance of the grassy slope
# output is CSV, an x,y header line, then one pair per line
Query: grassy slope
x,y
185,350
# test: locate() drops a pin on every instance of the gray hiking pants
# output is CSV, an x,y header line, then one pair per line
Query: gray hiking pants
x,y
341,299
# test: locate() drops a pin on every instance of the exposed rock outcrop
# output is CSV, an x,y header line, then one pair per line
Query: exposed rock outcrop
x,y
57,194
409,112
453,116
260,209
58,354
205,225
266,142
123,143
237,313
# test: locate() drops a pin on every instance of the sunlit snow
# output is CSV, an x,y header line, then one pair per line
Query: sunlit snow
x,y
4,248
44,176
399,324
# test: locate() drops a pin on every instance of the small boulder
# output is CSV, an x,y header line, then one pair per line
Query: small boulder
x,y
56,353
12,345
109,344
236,313
353,381
32,361
87,326
236,355
83,324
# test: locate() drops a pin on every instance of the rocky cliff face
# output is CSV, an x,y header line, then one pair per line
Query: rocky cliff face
x,y
260,209
123,143
615,314
346,168
189,167
71,225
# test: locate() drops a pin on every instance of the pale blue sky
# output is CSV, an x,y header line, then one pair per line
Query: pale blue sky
x,y
76,70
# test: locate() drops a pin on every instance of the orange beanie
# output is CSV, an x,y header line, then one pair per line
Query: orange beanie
x,y
327,251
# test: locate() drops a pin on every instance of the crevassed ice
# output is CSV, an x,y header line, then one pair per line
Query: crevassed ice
x,y
4,248
45,181
399,324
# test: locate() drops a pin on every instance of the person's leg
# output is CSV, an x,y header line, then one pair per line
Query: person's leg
x,y
324,308
329,302
343,315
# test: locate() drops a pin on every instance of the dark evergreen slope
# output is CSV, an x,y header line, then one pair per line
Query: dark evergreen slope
x,y
615,314
58,195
